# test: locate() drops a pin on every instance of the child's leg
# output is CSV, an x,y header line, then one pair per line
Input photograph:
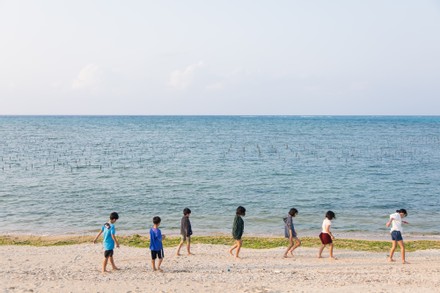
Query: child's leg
x,y
112,262
297,242
153,259
320,250
159,262
393,248
402,250
331,251
239,243
233,247
178,247
104,265
291,243
188,245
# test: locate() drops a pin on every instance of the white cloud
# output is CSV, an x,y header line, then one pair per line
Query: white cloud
x,y
217,86
182,79
88,77
8,85
359,86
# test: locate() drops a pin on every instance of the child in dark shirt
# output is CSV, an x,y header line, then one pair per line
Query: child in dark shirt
x,y
290,232
185,232
237,231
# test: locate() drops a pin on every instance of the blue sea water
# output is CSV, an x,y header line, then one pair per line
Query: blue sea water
x,y
65,174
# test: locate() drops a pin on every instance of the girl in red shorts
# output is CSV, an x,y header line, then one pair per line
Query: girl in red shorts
x,y
326,236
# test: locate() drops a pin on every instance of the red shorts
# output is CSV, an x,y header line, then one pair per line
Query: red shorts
x,y
325,238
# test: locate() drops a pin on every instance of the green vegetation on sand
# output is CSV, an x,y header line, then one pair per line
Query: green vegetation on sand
x,y
248,242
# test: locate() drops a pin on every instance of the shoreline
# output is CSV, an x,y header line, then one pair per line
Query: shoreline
x,y
339,235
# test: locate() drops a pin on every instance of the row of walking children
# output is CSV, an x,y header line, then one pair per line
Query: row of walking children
x,y
156,237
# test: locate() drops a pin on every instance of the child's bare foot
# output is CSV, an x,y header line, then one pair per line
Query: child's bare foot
x,y
178,254
230,252
190,253
116,269
285,256
390,259
104,271
318,256
160,270
333,258
405,262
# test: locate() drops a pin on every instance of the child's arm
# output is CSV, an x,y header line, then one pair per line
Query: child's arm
x,y
97,236
289,224
241,227
185,226
116,240
327,230
389,222
159,236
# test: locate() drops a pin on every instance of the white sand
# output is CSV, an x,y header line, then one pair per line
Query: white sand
x,y
77,269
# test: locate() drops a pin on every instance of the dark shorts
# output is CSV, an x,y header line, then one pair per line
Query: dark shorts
x,y
396,236
108,253
325,238
157,254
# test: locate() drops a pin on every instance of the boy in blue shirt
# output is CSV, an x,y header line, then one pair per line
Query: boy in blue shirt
x,y
156,246
109,239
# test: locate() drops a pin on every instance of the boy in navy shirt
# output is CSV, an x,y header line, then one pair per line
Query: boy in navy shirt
x,y
156,246
109,240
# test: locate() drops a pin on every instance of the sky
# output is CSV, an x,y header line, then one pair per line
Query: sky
x,y
242,57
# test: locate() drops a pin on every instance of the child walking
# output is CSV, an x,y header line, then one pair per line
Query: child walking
x,y
290,233
237,231
185,232
109,240
156,245
326,236
396,233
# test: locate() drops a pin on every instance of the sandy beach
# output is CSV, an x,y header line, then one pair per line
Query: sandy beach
x,y
76,268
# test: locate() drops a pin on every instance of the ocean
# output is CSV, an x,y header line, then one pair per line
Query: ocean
x,y
64,174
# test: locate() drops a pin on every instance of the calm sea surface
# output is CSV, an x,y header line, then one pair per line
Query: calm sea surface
x,y
62,175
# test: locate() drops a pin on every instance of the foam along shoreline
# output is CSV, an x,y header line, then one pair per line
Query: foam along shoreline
x,y
76,268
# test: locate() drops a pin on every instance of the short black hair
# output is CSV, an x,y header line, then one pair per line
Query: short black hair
x,y
114,216
241,211
186,211
330,215
156,220
293,212
403,211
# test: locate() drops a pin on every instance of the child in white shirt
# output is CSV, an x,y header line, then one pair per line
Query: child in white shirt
x,y
326,236
396,233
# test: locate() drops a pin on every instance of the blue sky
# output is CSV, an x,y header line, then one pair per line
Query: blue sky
x,y
220,57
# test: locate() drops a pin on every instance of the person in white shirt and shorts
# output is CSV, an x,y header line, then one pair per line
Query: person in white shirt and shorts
x,y
396,233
